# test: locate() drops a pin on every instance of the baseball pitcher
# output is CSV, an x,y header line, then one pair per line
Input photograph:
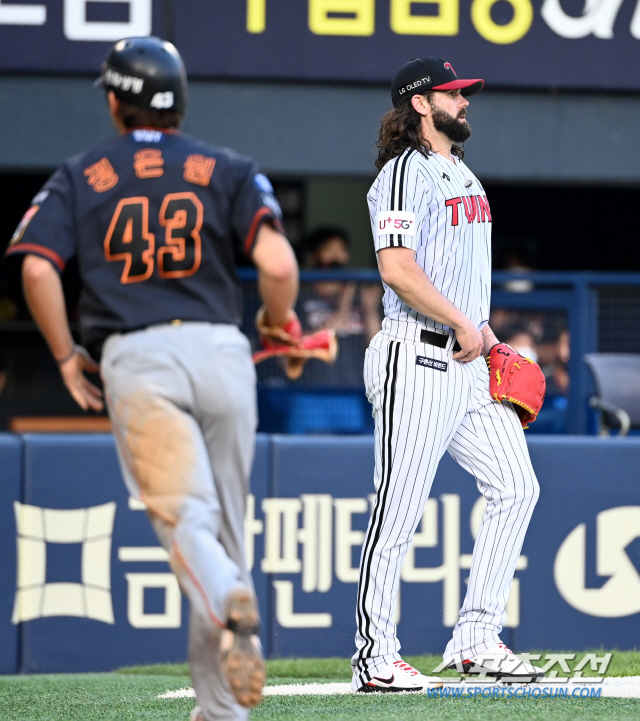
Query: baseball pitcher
x,y
429,384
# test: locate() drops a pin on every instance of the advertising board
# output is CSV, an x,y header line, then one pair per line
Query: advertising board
x,y
509,43
93,590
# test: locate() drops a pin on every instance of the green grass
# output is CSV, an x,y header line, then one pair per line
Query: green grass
x,y
84,697
130,695
385,707
623,663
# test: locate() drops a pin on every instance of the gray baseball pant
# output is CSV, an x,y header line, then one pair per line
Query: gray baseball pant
x,y
182,402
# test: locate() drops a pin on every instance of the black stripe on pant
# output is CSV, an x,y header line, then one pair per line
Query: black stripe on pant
x,y
373,534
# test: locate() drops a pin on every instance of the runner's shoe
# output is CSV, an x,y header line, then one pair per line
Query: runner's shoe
x,y
498,662
242,661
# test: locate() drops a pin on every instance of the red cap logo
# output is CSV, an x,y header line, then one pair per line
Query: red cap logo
x,y
448,67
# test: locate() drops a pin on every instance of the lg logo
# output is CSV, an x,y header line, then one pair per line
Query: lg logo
x,y
619,595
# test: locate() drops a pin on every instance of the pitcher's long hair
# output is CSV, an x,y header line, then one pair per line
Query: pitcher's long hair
x,y
401,128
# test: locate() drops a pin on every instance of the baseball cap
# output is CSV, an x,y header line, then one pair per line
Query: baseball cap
x,y
422,74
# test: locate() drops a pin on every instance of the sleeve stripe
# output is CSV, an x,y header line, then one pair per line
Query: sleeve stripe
x,y
393,191
398,189
402,189
24,248
255,224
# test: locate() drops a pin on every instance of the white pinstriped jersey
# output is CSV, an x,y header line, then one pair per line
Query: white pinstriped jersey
x,y
425,403
444,215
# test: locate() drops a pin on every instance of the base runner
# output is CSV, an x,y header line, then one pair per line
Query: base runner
x,y
154,218
428,382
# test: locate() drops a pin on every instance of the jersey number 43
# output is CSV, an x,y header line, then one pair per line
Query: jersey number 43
x,y
129,239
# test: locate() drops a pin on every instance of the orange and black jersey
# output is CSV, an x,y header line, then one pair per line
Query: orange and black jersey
x,y
155,219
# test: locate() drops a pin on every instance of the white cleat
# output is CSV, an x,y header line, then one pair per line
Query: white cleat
x,y
397,677
498,662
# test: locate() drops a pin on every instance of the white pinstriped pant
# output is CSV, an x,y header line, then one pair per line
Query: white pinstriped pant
x,y
420,413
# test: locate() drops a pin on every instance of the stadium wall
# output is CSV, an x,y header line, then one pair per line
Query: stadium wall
x,y
314,129
87,588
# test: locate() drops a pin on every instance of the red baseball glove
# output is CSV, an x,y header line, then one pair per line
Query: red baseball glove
x,y
278,335
288,342
517,379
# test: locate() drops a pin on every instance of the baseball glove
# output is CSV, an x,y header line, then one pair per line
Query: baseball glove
x,y
517,379
288,342
322,345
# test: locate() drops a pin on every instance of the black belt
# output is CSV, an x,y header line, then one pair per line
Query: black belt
x,y
437,339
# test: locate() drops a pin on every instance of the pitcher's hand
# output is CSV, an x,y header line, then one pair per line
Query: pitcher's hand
x,y
471,343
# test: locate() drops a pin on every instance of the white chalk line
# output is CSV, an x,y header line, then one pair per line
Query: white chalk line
x,y
617,686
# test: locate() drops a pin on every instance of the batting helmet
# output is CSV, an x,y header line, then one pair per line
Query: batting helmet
x,y
146,72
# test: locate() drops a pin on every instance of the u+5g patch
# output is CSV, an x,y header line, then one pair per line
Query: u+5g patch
x,y
432,363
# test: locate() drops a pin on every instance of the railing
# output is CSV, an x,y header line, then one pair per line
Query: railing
x,y
580,295
601,312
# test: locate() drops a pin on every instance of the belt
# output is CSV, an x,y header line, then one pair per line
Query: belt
x,y
437,339
95,347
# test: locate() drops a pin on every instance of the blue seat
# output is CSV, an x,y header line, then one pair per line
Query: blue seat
x,y
617,380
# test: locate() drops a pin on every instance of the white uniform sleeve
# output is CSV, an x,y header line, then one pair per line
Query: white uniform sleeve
x,y
396,218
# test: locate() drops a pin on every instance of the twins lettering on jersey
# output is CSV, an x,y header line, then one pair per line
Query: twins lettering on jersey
x,y
476,207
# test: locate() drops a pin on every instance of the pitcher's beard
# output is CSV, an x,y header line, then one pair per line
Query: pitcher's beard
x,y
456,131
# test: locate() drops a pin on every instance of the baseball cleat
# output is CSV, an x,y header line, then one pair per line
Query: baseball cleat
x,y
397,677
499,662
242,661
